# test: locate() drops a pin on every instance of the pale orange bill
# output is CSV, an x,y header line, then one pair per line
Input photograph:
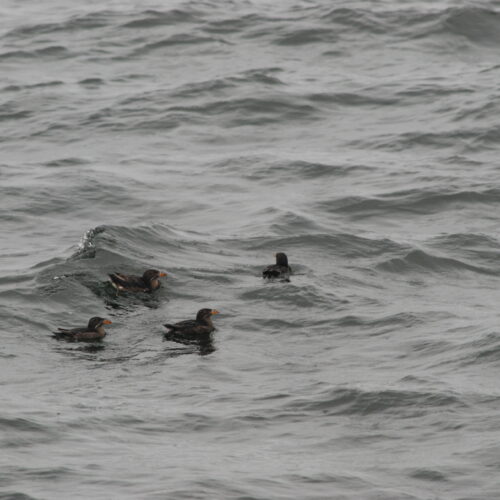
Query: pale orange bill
x,y
162,274
214,311
107,322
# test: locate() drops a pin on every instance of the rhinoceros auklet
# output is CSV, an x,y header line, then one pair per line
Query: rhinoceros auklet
x,y
148,282
201,326
93,331
279,270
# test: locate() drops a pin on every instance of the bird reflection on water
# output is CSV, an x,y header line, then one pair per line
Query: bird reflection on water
x,y
201,346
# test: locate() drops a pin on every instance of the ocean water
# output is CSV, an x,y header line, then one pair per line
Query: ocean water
x,y
201,137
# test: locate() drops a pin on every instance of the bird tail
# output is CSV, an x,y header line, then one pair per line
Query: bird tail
x,y
170,327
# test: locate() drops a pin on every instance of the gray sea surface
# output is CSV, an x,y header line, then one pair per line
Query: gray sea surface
x,y
199,138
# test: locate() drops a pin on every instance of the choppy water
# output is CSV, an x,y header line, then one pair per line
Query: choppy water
x,y
200,138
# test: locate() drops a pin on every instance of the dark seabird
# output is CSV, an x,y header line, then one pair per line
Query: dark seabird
x,y
194,329
148,282
93,331
279,270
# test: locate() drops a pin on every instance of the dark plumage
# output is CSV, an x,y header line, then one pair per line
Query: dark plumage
x,y
93,331
201,327
279,270
148,282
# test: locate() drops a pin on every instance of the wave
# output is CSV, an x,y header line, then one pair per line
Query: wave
x,y
424,91
75,23
353,99
23,431
380,325
400,403
264,76
8,113
66,162
479,247
122,241
51,51
470,139
17,88
249,77
23,424
304,36
74,282
154,18
253,110
428,475
175,40
47,199
326,25
415,201
419,260
87,245
371,21
342,244
292,296
481,350
319,24
231,112
104,249
477,24
258,168
15,495
92,82
239,24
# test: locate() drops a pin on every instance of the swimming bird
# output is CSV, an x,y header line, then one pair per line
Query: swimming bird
x,y
279,270
198,328
93,331
148,282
